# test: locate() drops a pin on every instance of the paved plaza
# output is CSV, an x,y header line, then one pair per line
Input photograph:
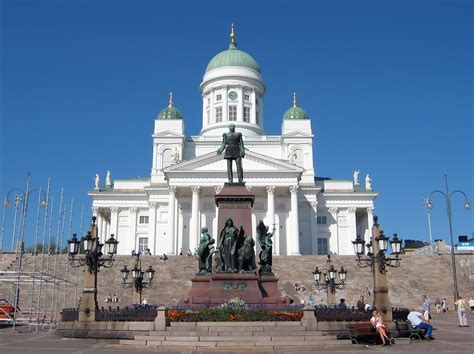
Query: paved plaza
x,y
449,339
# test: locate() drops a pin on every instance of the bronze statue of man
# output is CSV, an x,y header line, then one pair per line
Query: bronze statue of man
x,y
234,150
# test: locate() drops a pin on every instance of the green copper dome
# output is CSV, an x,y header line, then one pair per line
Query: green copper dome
x,y
233,57
295,112
170,112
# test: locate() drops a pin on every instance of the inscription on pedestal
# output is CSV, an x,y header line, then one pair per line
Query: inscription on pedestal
x,y
238,285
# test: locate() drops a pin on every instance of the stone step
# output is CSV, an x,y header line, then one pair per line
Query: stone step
x,y
133,342
229,332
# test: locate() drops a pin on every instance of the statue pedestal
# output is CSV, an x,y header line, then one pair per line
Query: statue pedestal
x,y
236,202
215,289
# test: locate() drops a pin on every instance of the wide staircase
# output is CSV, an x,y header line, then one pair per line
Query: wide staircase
x,y
417,275
228,336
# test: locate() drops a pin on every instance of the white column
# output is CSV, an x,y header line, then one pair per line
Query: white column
x,y
253,110
132,226
294,238
101,224
194,230
204,105
171,233
314,227
346,247
154,167
370,222
240,107
114,211
270,206
334,238
152,227
225,108
212,109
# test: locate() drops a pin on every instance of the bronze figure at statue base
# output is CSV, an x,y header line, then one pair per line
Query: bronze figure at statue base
x,y
229,270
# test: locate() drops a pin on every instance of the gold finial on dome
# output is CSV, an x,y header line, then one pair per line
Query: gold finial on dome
x,y
294,99
171,99
232,36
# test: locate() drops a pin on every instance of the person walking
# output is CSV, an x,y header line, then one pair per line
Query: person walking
x,y
438,305
461,306
426,307
471,304
444,305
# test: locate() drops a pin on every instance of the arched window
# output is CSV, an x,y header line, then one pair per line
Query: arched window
x,y
166,158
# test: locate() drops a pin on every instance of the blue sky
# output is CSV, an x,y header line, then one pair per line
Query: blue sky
x,y
388,86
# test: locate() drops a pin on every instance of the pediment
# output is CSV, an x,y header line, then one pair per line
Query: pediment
x,y
297,134
253,162
167,134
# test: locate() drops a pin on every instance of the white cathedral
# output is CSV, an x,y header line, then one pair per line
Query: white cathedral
x,y
166,211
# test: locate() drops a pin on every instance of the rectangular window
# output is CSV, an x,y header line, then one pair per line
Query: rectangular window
x,y
142,244
247,97
218,97
247,114
143,220
322,246
322,220
232,113
218,114
256,101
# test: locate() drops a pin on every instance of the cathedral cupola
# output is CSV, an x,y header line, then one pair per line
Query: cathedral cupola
x,y
170,112
232,91
295,112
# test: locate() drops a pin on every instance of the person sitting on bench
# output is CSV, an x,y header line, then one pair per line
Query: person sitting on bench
x,y
379,326
418,320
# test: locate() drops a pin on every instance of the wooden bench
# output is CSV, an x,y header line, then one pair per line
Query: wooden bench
x,y
362,331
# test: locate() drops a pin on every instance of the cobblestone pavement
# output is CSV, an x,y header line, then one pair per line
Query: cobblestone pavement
x,y
449,339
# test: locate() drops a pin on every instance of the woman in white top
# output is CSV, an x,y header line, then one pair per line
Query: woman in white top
x,y
380,328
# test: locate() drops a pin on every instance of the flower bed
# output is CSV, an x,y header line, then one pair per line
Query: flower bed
x,y
217,315
235,310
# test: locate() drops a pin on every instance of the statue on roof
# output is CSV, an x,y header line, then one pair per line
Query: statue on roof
x,y
233,145
368,182
97,181
108,182
356,177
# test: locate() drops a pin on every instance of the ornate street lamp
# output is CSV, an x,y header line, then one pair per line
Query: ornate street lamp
x,y
381,257
138,276
448,197
21,198
377,259
93,259
329,277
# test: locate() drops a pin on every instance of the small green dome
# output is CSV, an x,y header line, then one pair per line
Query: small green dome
x,y
295,113
170,112
233,57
